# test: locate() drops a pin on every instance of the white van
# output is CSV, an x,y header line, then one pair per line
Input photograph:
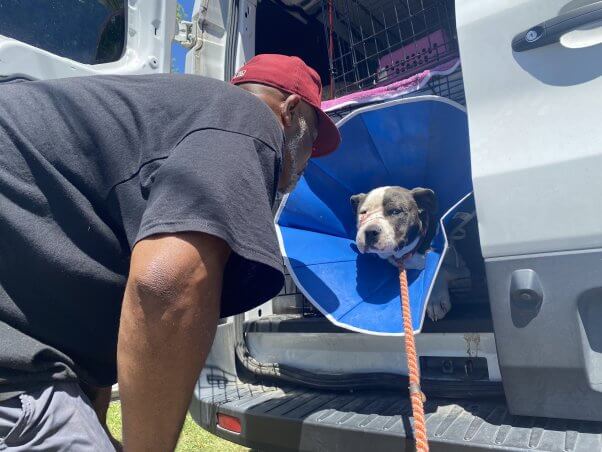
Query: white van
x,y
517,363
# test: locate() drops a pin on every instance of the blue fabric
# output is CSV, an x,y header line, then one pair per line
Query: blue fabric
x,y
421,142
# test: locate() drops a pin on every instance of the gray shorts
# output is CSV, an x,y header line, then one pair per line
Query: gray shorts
x,y
58,417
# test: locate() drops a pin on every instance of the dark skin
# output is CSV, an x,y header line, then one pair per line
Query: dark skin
x,y
171,307
287,107
169,316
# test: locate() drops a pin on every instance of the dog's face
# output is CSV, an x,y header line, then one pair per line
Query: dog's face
x,y
392,219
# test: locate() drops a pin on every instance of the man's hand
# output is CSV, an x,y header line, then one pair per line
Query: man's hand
x,y
168,320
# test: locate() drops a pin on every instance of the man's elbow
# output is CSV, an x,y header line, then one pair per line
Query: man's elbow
x,y
171,276
159,292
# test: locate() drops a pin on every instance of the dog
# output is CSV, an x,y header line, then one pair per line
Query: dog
x,y
398,225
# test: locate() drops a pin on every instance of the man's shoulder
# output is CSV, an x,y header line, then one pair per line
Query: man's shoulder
x,y
202,102
175,87
191,82
203,91
234,109
224,106
177,81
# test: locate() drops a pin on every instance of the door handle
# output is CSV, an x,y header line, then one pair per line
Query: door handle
x,y
550,31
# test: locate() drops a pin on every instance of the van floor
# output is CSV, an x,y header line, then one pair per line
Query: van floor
x,y
463,318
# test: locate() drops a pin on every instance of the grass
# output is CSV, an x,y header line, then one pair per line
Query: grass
x,y
192,438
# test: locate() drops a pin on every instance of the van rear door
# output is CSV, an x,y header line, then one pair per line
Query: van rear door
x,y
533,80
89,37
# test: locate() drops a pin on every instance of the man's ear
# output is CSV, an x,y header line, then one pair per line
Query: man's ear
x,y
426,199
357,200
288,108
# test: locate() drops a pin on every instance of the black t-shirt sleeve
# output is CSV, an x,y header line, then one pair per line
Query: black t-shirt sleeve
x,y
222,183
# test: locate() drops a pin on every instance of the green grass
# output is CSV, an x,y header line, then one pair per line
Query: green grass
x,y
192,438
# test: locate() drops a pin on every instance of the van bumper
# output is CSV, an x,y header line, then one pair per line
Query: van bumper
x,y
296,419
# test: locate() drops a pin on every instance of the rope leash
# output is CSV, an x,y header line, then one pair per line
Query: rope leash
x,y
416,394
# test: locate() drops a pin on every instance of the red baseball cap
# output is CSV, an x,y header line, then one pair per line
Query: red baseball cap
x,y
292,75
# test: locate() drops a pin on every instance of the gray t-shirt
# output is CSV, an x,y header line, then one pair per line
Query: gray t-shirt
x,y
91,165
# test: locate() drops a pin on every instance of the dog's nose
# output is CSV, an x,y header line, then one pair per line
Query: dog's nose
x,y
372,235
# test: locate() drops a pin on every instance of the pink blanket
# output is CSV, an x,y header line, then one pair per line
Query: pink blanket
x,y
413,58
393,90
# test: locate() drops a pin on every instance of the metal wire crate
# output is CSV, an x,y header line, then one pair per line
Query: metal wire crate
x,y
373,43
291,301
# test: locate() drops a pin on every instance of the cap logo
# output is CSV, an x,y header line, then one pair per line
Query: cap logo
x,y
240,73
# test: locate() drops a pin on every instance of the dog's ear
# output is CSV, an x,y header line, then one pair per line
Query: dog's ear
x,y
357,200
426,199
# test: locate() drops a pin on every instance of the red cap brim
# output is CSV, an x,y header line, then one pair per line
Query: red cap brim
x,y
329,137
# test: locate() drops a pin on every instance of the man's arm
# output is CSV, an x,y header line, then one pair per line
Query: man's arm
x,y
168,320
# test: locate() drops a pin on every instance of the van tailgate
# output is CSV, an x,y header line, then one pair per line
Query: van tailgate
x,y
292,418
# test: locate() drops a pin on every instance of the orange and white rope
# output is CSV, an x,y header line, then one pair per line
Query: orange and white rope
x,y
416,395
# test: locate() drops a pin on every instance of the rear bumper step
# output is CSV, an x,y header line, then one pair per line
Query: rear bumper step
x,y
291,419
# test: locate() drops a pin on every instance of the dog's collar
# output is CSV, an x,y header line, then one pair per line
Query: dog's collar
x,y
409,250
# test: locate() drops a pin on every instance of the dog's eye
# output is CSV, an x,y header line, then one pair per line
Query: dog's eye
x,y
394,211
363,212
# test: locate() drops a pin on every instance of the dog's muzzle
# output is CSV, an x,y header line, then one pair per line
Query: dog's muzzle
x,y
369,217
370,230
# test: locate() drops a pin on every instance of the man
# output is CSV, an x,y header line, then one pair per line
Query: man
x,y
142,201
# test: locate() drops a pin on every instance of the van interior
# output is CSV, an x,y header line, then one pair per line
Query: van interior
x,y
358,45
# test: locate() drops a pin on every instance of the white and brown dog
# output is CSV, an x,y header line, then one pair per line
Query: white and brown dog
x,y
399,224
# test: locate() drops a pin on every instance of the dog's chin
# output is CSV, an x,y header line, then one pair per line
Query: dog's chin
x,y
363,248
383,252
388,250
